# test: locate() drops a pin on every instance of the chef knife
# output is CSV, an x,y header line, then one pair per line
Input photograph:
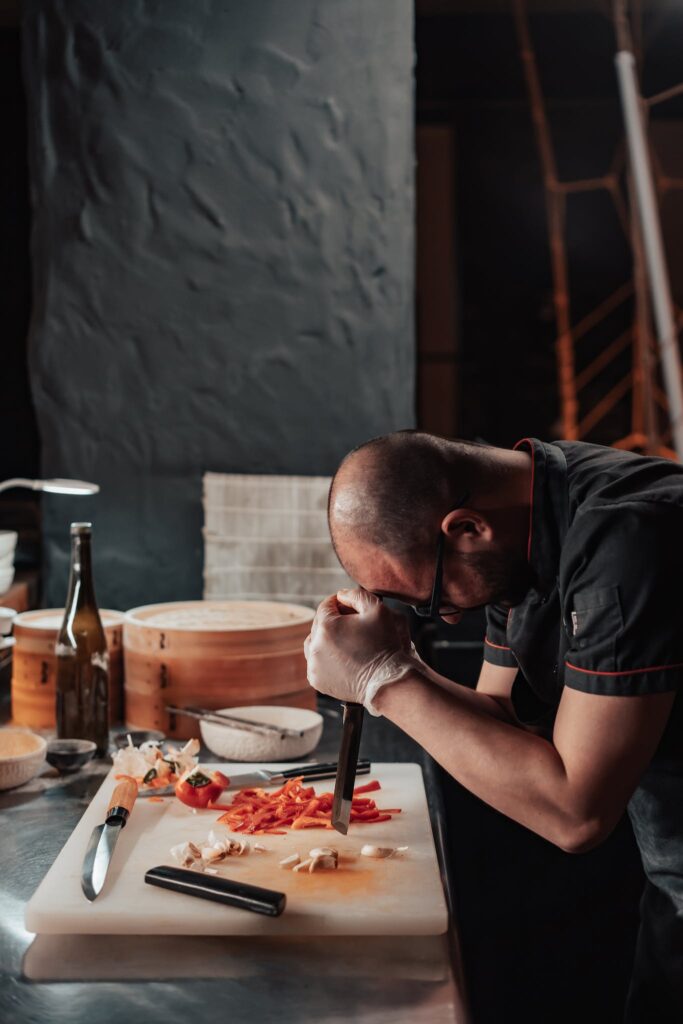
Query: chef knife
x,y
352,726
104,837
261,777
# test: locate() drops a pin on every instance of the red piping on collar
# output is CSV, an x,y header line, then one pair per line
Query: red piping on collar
x,y
527,440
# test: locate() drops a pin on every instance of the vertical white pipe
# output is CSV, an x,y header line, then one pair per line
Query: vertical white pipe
x,y
658,277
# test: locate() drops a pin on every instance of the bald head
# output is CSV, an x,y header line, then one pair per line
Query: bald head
x,y
392,492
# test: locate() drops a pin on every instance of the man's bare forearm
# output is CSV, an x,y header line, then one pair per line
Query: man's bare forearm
x,y
471,736
484,702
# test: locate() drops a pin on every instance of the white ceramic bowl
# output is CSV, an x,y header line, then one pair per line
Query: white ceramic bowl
x,y
8,542
240,745
6,577
16,769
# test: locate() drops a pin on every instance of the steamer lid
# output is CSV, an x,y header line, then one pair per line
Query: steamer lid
x,y
220,616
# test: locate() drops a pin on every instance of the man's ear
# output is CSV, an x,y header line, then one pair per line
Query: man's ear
x,y
467,530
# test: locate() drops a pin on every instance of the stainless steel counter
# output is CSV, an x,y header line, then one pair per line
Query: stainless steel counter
x,y
388,980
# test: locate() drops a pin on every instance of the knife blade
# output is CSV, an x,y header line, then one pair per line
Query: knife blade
x,y
262,777
104,838
352,727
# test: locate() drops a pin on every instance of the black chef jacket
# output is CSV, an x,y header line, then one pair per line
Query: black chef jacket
x,y
605,616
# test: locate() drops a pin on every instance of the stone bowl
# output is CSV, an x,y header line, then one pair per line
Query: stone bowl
x,y
235,744
69,755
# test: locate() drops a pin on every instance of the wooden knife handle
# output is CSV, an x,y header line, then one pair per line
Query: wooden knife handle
x,y
122,799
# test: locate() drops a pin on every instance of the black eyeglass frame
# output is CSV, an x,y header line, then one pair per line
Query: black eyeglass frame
x,y
429,611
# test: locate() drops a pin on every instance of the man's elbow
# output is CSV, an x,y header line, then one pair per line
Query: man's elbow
x,y
580,837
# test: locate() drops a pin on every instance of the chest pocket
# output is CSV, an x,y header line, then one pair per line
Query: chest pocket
x,y
595,622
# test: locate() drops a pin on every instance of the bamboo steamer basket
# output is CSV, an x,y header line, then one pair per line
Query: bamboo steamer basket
x,y
212,654
34,666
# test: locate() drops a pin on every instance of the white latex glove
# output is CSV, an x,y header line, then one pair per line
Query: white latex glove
x,y
356,646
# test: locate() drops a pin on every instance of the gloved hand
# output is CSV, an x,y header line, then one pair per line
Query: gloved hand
x,y
356,646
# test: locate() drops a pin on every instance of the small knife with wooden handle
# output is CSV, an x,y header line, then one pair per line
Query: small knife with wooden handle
x,y
104,837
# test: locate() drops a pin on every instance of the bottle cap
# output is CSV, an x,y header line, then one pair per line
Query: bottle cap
x,y
80,528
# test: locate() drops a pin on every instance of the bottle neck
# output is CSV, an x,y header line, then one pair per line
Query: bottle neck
x,y
81,586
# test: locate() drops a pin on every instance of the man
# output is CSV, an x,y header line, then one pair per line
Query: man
x,y
576,551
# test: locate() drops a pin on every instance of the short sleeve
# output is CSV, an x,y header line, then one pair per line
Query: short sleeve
x,y
496,649
623,625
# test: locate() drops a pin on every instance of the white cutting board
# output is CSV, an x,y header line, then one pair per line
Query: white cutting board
x,y
399,896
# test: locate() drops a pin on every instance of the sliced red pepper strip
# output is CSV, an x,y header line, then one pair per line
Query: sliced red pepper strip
x,y
369,787
294,806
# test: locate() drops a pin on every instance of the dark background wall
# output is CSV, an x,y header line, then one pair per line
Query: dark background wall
x,y
223,258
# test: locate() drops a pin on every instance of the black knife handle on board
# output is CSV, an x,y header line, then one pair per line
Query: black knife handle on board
x,y
322,771
220,890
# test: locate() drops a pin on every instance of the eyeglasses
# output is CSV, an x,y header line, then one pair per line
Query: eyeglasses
x,y
429,611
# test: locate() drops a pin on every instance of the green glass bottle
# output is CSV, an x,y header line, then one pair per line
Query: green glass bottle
x,y
82,657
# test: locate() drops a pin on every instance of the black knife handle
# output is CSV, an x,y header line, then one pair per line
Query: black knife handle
x,y
220,890
322,771
350,744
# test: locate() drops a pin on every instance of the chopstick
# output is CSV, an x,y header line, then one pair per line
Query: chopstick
x,y
220,718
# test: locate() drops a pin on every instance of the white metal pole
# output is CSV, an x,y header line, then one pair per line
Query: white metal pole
x,y
658,277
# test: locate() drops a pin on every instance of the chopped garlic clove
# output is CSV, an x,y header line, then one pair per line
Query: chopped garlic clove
x,y
303,865
290,861
183,854
324,857
377,851
322,862
323,851
260,848
221,842
210,854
